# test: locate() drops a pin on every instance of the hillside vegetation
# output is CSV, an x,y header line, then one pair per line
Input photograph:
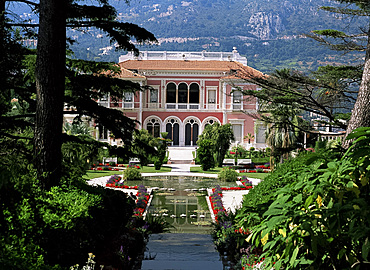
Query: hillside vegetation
x,y
269,33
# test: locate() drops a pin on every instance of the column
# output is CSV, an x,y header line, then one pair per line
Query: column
x,y
224,102
140,106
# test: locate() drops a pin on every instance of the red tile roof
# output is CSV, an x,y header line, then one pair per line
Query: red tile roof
x,y
226,66
125,73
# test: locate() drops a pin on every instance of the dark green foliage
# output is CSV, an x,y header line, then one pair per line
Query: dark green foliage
x,y
205,154
325,92
45,229
157,224
161,145
229,239
221,137
282,175
60,226
131,173
228,175
331,33
316,209
143,146
86,81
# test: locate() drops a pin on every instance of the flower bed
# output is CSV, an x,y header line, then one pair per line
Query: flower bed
x,y
255,171
246,183
262,167
142,195
105,168
228,237
114,182
216,202
121,186
132,165
142,200
234,188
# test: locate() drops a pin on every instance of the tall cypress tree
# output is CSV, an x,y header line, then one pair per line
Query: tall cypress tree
x,y
50,81
51,70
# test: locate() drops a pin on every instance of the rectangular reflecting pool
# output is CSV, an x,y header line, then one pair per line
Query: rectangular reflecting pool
x,y
186,211
181,200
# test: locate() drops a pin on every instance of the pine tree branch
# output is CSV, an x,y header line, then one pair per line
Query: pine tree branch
x,y
28,25
14,136
25,2
346,11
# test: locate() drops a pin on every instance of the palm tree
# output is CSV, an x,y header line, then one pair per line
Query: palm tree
x,y
281,130
249,137
77,128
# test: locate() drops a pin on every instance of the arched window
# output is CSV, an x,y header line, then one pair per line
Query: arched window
x,y
172,129
171,93
153,127
191,132
210,121
102,133
183,93
194,93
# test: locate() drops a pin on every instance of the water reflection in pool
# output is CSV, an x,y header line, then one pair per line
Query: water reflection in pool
x,y
186,211
181,200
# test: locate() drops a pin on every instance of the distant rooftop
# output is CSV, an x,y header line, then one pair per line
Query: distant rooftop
x,y
190,56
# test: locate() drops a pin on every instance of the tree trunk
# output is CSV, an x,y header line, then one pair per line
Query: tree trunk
x,y
50,85
2,19
361,111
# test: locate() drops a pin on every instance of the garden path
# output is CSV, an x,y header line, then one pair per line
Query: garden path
x,y
181,251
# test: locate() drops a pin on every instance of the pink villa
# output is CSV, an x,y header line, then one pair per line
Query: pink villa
x,y
188,90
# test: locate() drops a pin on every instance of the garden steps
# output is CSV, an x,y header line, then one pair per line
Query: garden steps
x,y
180,155
180,161
184,251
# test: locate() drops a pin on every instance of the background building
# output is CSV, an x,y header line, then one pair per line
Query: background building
x,y
187,91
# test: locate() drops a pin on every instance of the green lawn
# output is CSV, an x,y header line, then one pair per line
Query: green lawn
x,y
199,170
90,174
151,169
255,175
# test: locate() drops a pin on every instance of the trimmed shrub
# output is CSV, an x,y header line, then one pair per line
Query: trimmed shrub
x,y
205,154
157,163
228,175
132,173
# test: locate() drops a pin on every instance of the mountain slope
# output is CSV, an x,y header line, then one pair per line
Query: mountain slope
x,y
268,32
261,19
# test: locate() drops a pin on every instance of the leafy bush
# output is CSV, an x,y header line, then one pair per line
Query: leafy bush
x,y
157,224
228,175
284,174
261,160
319,219
205,154
229,239
220,137
157,163
57,228
132,173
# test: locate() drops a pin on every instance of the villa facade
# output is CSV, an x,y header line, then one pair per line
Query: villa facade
x,y
187,91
